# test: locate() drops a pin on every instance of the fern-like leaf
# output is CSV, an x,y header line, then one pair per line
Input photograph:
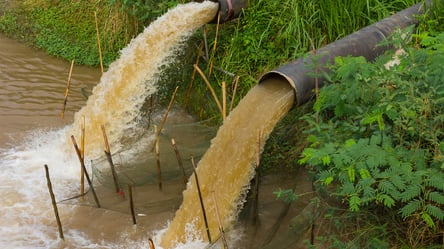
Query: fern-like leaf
x,y
386,200
436,181
434,211
428,220
436,197
410,208
354,203
411,192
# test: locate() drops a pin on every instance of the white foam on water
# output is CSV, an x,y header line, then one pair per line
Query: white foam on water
x,y
26,214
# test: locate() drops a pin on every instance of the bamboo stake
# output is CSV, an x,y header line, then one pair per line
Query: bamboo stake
x,y
221,228
209,86
236,80
179,161
67,90
150,112
54,204
79,155
205,40
98,42
193,75
156,146
201,201
82,150
157,132
131,202
168,109
150,241
214,46
224,101
110,160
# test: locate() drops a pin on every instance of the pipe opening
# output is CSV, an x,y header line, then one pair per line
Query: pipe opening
x,y
229,10
270,76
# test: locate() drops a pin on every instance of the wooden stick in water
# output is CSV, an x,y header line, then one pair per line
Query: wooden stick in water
x,y
221,228
156,146
201,201
82,150
79,155
210,87
67,90
158,131
150,241
110,160
98,42
54,204
131,202
168,109
179,161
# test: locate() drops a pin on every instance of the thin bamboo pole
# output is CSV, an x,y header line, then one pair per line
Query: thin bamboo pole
x,y
201,201
210,71
162,124
221,228
79,155
98,42
110,160
150,112
168,109
193,75
210,87
82,150
131,202
224,101
150,241
179,161
62,114
205,40
156,146
236,80
54,204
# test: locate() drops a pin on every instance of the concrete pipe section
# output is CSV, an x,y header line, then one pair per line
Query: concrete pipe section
x,y
361,43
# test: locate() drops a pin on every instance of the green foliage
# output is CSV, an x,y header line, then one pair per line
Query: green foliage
x,y
376,132
271,33
145,11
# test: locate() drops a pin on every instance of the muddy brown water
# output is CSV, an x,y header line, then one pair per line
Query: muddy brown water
x,y
32,88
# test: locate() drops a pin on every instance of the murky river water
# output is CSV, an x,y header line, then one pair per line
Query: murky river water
x,y
32,88
32,133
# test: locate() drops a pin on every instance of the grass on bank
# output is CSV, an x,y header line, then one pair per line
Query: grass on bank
x,y
268,34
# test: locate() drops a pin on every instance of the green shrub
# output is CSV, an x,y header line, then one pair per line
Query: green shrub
x,y
377,133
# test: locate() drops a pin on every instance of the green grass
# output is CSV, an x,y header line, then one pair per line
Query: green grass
x,y
271,33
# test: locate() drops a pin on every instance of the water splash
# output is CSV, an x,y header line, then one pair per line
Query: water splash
x,y
26,216
228,165
116,101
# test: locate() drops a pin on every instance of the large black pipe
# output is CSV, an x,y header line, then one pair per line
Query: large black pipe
x,y
361,43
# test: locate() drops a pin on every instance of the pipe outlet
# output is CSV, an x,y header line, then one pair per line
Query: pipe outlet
x,y
229,10
364,42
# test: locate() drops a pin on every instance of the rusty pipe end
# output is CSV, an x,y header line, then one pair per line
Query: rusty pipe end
x,y
228,10
277,74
